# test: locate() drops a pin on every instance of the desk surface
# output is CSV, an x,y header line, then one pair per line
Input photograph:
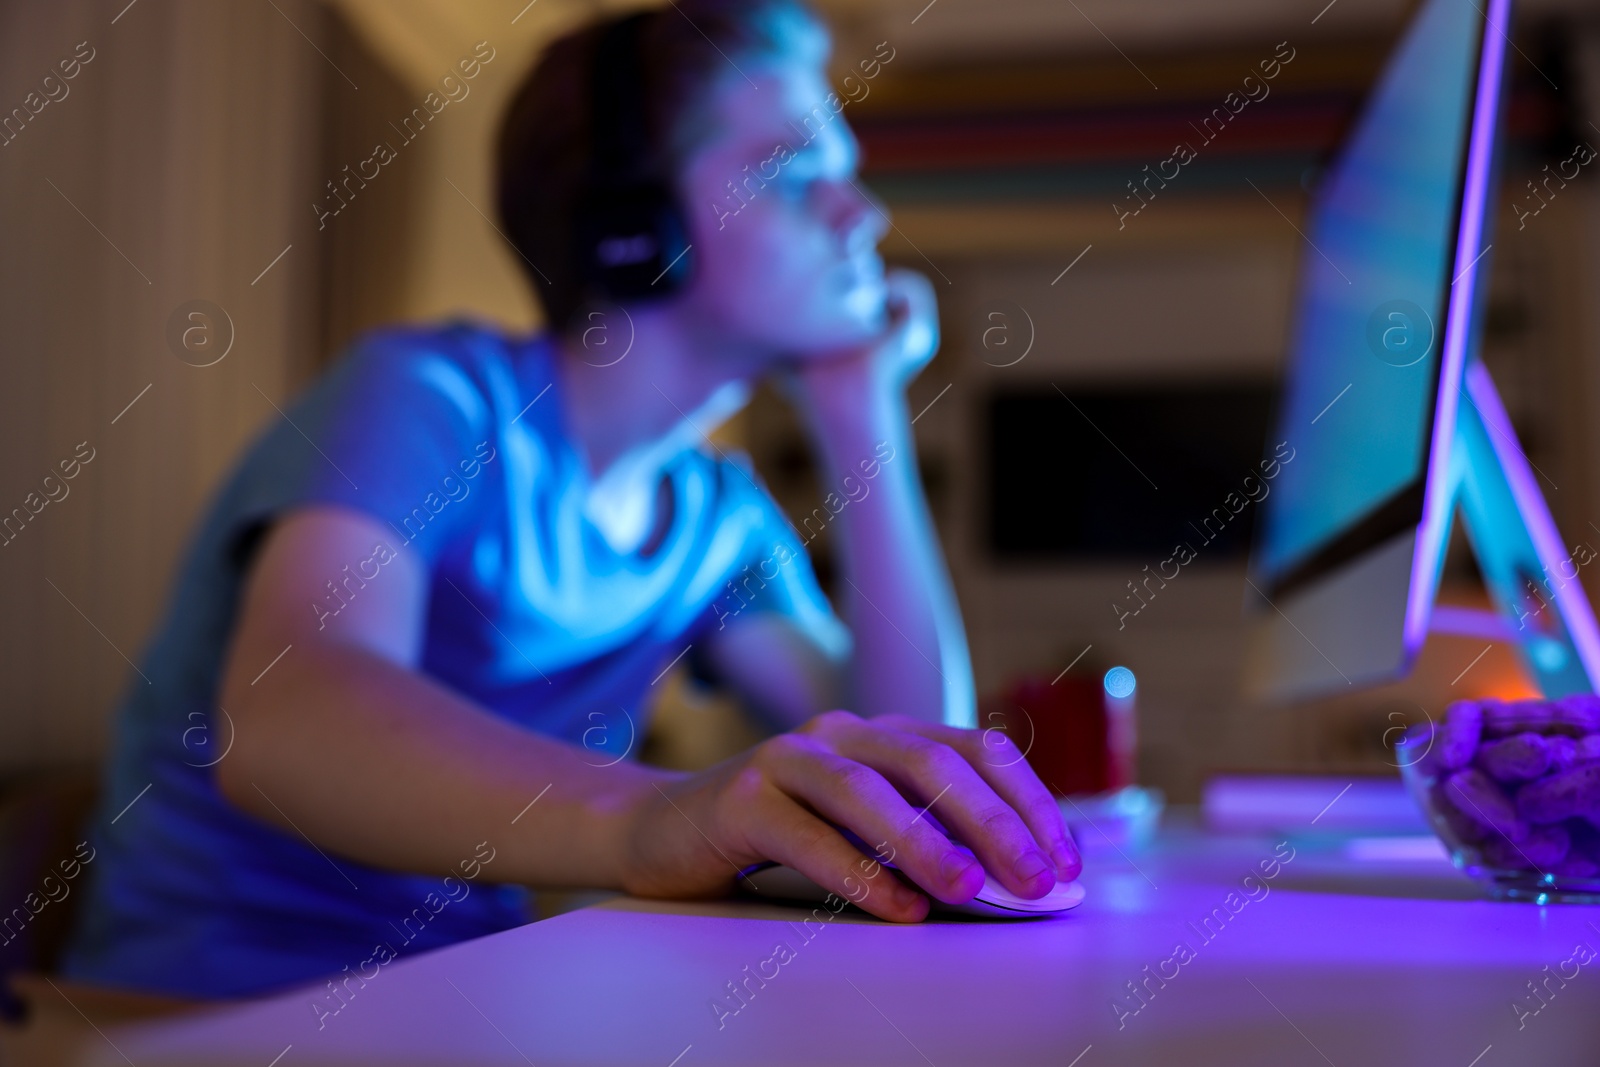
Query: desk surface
x,y
1334,960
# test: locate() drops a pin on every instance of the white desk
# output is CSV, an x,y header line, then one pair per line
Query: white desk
x,y
1342,962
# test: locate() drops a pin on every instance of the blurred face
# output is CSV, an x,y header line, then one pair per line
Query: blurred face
x,y
785,242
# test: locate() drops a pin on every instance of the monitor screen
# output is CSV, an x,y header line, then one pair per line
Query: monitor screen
x,y
1362,379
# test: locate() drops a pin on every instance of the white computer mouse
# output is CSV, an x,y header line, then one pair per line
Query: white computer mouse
x,y
993,901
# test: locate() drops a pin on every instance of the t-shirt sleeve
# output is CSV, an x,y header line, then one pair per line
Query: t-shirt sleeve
x,y
398,429
773,574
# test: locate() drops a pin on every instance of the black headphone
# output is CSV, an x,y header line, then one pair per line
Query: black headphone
x,y
632,241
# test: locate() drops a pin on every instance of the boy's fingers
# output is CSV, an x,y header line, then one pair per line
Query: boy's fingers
x,y
793,836
962,799
1001,763
856,796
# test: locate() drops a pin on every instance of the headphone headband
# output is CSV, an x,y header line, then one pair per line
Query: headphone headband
x,y
631,236
619,125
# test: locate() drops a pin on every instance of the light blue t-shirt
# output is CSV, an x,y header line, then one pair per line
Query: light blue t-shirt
x,y
453,438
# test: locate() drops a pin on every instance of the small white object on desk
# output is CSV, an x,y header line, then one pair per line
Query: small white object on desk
x,y
993,901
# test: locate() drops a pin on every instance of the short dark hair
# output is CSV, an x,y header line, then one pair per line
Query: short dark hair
x,y
543,152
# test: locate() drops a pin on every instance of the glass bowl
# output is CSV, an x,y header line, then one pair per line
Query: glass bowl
x,y
1513,790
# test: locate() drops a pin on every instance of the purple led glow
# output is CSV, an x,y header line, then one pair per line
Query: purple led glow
x,y
1571,603
1439,500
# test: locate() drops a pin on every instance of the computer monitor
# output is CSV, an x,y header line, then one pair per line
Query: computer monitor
x,y
1388,420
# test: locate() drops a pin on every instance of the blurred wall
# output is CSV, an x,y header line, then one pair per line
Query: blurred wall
x,y
171,168
455,260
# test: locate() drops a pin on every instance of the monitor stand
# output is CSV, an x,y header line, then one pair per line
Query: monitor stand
x,y
1532,578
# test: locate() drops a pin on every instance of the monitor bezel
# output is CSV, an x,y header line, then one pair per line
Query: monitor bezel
x,y
1463,325
1408,507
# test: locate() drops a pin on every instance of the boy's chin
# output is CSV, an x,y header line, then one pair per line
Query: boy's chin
x,y
868,304
859,320
842,342
839,332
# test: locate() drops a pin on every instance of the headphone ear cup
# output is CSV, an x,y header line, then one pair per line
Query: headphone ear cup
x,y
633,243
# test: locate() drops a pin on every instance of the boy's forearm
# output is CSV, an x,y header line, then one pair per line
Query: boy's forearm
x,y
367,759
910,647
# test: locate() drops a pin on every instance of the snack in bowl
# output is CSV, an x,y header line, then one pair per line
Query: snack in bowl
x,y
1513,790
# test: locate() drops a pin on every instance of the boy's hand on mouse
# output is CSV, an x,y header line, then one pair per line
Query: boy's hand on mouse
x,y
691,837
